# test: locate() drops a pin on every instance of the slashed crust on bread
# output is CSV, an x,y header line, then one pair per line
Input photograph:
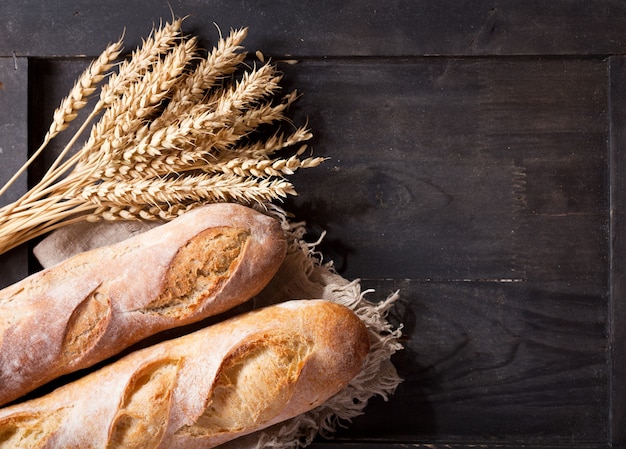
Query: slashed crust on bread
x,y
98,303
202,389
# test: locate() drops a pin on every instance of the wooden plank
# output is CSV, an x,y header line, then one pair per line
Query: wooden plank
x,y
324,28
13,152
617,332
462,169
486,363
448,445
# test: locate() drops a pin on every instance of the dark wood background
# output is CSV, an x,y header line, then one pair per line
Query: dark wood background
x,y
477,157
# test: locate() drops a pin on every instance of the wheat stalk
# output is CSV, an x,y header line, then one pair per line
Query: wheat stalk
x,y
170,129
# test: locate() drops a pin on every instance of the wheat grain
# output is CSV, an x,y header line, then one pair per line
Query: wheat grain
x,y
185,189
199,134
170,130
144,94
123,121
220,63
141,60
266,167
278,141
172,150
82,89
254,85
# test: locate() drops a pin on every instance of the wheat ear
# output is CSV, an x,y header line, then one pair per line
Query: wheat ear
x,y
173,130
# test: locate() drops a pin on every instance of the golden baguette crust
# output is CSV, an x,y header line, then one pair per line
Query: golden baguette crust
x,y
95,304
202,389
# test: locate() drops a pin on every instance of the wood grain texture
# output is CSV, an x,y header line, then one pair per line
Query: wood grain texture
x,y
323,28
476,163
483,360
617,283
13,148
463,169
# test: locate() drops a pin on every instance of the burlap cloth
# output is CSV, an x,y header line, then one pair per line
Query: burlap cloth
x,y
303,275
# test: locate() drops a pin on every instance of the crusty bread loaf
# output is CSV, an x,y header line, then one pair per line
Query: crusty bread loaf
x,y
202,389
97,303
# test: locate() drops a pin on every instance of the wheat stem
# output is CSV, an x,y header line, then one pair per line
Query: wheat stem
x,y
45,223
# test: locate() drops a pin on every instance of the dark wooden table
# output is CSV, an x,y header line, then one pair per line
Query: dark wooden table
x,y
477,157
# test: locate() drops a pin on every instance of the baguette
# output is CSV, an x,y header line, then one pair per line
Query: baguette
x,y
203,389
94,305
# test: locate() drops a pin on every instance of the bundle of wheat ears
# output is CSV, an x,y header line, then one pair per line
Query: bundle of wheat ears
x,y
171,129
